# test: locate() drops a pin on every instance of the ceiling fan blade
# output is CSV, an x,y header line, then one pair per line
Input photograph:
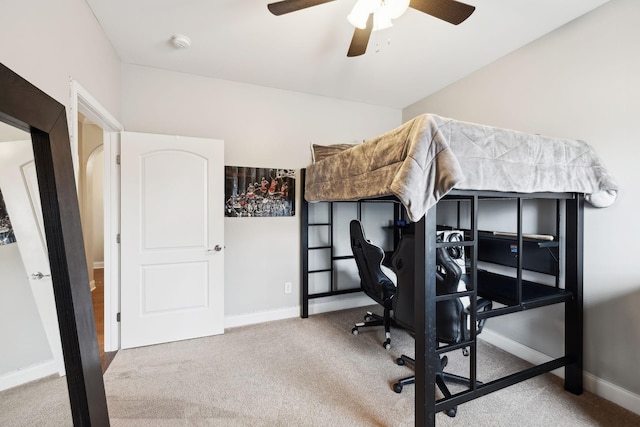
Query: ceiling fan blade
x,y
360,39
286,6
451,11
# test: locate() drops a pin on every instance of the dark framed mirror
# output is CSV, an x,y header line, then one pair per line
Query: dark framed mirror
x,y
25,107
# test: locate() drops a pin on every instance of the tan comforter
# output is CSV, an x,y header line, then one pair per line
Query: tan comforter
x,y
423,159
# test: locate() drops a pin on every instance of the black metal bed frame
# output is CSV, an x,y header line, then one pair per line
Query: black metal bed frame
x,y
522,295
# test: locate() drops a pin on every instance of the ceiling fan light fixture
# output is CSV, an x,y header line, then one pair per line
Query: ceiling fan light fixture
x,y
360,13
383,12
396,7
381,19
373,15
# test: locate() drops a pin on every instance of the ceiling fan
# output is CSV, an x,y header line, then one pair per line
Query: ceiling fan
x,y
371,15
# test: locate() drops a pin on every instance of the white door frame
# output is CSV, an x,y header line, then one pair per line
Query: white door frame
x,y
81,101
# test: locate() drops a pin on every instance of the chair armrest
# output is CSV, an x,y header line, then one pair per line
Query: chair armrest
x,y
482,304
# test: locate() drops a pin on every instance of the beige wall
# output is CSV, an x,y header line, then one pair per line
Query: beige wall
x,y
261,127
49,42
583,82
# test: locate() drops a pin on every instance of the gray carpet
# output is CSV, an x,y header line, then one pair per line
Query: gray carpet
x,y
297,372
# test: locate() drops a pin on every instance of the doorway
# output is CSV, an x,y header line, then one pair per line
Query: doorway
x,y
92,112
91,201
95,146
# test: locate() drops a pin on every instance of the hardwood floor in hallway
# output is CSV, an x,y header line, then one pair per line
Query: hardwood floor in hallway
x,y
97,296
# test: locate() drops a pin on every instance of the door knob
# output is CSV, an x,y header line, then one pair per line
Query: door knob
x,y
216,248
39,275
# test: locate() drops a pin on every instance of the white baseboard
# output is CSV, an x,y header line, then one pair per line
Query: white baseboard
x,y
315,307
28,374
342,302
260,317
98,265
591,383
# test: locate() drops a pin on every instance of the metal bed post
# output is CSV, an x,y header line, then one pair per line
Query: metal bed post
x,y
304,252
520,253
425,319
473,267
573,283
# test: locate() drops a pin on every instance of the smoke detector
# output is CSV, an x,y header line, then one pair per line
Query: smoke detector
x,y
180,42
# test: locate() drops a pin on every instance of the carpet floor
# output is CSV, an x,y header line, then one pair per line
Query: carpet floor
x,y
301,372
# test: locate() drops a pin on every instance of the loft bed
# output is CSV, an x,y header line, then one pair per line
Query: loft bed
x,y
432,159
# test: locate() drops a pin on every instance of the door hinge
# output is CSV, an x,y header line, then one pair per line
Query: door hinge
x,y
118,317
117,159
118,238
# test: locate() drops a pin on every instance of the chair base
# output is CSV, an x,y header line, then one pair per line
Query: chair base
x,y
372,319
441,377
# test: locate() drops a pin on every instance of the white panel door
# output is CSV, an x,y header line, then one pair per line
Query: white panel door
x,y
19,185
172,238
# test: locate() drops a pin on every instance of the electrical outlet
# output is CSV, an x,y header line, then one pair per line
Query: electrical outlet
x,y
287,287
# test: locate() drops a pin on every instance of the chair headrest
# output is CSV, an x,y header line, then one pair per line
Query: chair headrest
x,y
359,242
356,231
451,269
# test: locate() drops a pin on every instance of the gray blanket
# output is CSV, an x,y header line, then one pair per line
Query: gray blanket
x,y
423,159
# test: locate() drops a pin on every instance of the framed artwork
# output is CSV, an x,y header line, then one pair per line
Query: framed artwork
x,y
259,192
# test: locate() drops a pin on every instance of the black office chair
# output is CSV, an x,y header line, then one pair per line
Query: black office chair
x,y
375,283
451,315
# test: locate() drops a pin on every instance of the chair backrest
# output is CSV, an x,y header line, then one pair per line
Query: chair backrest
x,y
449,313
368,256
402,263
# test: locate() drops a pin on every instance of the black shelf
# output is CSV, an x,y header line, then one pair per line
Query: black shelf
x,y
539,255
503,237
504,290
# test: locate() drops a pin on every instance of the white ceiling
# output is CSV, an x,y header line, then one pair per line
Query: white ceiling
x,y
305,51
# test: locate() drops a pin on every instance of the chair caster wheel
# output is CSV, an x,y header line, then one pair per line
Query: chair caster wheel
x,y
397,387
452,412
387,345
400,361
354,331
